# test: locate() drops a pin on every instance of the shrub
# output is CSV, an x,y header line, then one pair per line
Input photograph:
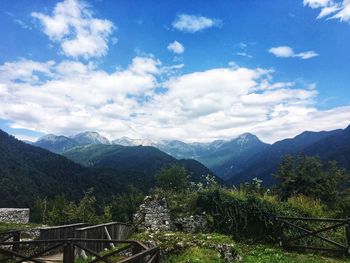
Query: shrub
x,y
243,216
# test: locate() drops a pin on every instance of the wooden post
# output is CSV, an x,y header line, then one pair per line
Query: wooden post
x,y
347,232
108,237
279,231
16,238
68,253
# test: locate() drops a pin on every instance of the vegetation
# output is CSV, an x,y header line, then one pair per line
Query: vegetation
x,y
307,176
173,179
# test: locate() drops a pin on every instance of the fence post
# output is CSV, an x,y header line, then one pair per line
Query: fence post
x,y
16,238
347,232
279,231
68,253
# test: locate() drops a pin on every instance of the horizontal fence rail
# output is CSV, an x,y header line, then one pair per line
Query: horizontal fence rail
x,y
303,233
139,252
114,230
60,232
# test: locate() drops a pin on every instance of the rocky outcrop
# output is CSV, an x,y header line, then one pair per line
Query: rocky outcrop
x,y
153,215
14,215
192,224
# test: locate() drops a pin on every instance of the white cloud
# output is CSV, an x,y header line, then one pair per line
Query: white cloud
x,y
192,23
76,30
316,3
176,47
333,9
145,100
288,52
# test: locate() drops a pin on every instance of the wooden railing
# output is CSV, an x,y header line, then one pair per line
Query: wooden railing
x,y
297,233
114,230
60,232
140,252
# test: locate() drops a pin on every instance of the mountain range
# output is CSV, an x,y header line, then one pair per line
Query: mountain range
x,y
235,161
28,172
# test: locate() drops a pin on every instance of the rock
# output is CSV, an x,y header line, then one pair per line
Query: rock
x,y
192,224
14,215
153,215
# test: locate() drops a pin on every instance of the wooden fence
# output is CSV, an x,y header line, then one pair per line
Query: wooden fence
x,y
60,232
114,230
303,233
141,253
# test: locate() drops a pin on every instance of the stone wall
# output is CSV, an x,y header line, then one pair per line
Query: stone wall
x,y
14,215
154,215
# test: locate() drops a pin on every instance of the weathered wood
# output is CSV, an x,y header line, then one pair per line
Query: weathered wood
x,y
116,231
144,253
312,219
60,232
108,236
281,222
315,234
68,253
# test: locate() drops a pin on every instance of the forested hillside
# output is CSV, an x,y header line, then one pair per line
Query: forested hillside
x,y
28,172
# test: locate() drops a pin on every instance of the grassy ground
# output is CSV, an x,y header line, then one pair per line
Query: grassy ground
x,y
4,227
197,248
253,254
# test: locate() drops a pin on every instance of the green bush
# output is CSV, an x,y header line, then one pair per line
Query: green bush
x,y
243,216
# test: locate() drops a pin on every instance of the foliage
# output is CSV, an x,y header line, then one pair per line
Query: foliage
x,y
242,215
173,179
60,211
123,206
308,205
310,177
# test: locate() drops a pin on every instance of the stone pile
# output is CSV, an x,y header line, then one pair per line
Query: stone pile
x,y
153,215
14,215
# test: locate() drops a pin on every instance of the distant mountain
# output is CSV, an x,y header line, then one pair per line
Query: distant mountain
x,y
59,144
125,141
325,144
56,144
336,147
90,138
145,159
224,158
28,172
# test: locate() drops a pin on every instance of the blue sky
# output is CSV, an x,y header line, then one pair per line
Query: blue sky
x,y
188,70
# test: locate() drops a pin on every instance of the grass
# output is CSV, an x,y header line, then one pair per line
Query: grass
x,y
196,255
196,248
253,254
4,227
271,254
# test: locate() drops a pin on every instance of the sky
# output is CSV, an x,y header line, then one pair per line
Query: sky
x,y
174,69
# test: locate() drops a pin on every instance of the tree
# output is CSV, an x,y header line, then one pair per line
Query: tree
x,y
123,206
173,178
305,175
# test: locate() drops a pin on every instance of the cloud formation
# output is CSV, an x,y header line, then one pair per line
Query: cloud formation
x,y
144,100
332,9
288,52
192,23
176,47
73,26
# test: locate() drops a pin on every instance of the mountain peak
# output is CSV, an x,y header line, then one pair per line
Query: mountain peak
x,y
90,137
52,138
246,137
